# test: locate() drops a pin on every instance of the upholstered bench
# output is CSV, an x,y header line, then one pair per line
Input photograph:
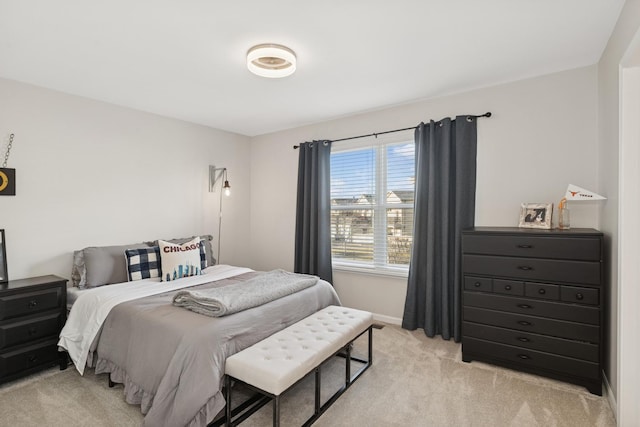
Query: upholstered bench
x,y
278,362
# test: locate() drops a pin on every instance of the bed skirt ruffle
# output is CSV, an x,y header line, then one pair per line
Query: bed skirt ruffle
x,y
136,395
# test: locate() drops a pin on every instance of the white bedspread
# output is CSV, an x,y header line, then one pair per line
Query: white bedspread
x,y
92,307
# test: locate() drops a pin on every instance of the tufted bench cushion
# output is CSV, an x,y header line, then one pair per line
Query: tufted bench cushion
x,y
279,361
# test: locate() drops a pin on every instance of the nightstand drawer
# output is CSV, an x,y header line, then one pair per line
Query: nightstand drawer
x,y
579,350
29,357
29,330
579,295
532,358
585,249
530,307
538,325
29,303
533,269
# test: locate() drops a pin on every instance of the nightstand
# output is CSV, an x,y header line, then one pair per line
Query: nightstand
x,y
32,313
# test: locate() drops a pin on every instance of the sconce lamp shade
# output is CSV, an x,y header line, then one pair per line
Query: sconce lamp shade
x,y
576,193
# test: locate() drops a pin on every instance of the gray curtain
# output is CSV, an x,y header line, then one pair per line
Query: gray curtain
x,y
444,205
313,211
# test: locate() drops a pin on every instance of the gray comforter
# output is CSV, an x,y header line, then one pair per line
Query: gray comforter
x,y
171,360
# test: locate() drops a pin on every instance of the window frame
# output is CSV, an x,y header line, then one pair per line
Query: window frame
x,y
380,207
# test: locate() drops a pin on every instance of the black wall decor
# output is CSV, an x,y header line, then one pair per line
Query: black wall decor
x,y
3,259
7,182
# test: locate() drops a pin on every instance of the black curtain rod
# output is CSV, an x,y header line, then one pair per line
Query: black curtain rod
x,y
487,114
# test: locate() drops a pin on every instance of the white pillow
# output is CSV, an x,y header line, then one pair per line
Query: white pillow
x,y
180,260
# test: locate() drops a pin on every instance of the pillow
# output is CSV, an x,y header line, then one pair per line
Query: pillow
x,y
101,265
180,260
143,263
78,270
208,250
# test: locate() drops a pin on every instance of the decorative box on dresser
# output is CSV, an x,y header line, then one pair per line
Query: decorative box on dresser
x,y
533,300
32,313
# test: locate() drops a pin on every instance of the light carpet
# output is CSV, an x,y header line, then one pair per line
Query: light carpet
x,y
414,381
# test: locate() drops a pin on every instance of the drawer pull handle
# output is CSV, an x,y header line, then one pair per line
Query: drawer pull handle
x,y
32,358
524,306
32,330
525,268
523,339
524,323
33,303
507,287
524,357
477,284
525,246
579,296
542,291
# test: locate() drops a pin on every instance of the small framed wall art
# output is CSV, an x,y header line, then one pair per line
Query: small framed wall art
x,y
3,259
535,215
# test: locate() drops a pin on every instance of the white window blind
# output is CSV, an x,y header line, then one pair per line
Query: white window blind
x,y
372,194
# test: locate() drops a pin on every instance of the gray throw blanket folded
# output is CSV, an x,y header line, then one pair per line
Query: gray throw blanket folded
x,y
217,302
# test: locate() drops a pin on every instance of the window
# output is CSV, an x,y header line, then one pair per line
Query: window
x,y
372,193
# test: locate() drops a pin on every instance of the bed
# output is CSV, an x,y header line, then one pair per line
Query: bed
x,y
169,359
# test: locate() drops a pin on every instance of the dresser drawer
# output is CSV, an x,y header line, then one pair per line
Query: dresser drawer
x,y
29,330
532,358
529,307
508,287
580,295
538,325
477,284
572,248
28,357
29,303
542,290
579,350
533,269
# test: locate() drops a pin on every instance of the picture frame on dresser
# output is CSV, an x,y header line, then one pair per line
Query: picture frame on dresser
x,y
536,215
4,276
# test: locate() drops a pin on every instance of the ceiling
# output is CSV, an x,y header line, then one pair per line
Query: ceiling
x,y
186,58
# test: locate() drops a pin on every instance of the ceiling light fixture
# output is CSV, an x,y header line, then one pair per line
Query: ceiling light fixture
x,y
271,60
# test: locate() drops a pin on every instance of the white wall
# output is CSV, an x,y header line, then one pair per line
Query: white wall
x,y
608,166
92,174
542,136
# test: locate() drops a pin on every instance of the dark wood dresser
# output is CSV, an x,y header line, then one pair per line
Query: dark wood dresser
x,y
533,301
32,313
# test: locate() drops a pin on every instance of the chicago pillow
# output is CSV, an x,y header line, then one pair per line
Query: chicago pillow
x,y
180,260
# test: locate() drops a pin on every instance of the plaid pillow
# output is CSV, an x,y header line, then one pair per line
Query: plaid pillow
x,y
203,255
143,263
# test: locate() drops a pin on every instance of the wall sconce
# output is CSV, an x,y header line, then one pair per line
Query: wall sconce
x,y
573,193
215,174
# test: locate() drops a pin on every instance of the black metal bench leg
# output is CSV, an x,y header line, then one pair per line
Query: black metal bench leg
x,y
318,387
276,411
227,397
111,383
347,360
370,345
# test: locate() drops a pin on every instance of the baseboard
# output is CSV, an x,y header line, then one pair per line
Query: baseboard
x,y
611,398
387,319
